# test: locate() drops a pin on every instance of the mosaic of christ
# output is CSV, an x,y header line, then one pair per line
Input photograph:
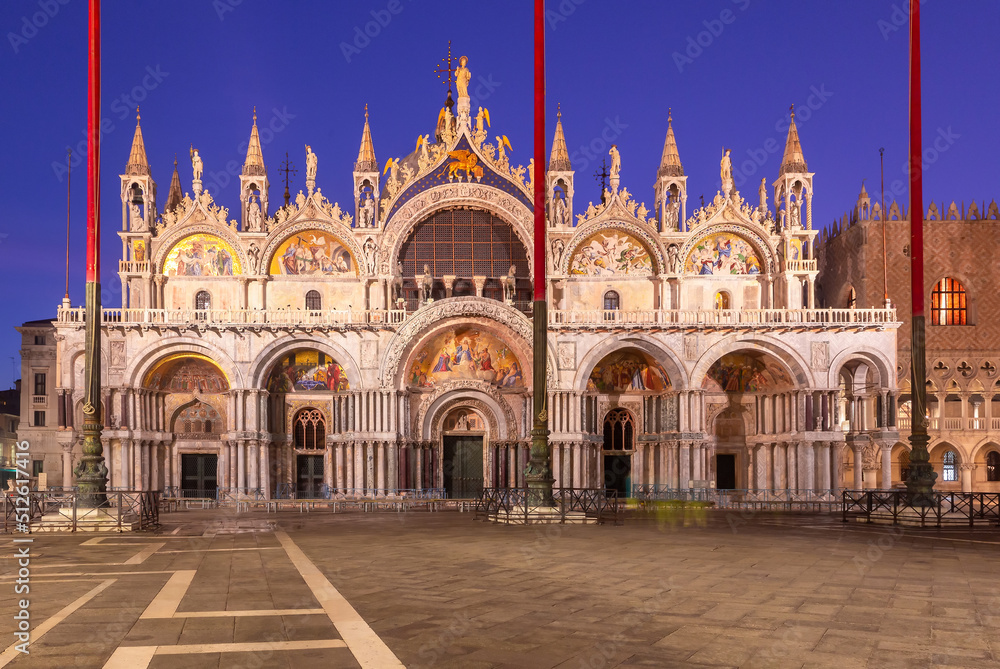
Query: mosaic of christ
x,y
627,370
740,373
465,353
312,252
723,253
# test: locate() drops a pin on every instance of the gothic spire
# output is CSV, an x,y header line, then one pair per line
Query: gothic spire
x,y
174,195
366,154
793,160
254,164
137,164
559,159
670,161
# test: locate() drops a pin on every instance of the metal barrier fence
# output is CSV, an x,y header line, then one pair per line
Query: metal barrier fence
x,y
946,509
54,510
524,506
792,499
288,491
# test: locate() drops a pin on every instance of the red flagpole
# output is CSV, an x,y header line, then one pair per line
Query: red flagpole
x,y
94,145
920,482
538,475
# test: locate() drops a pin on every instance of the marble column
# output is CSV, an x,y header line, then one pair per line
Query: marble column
x,y
859,471
886,464
67,465
966,469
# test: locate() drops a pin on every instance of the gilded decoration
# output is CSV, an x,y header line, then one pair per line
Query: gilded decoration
x,y
465,353
139,250
723,253
623,371
202,255
741,372
313,252
187,373
611,253
306,370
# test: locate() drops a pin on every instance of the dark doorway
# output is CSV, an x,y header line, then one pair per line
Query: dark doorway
x,y
725,471
198,475
617,474
310,476
463,467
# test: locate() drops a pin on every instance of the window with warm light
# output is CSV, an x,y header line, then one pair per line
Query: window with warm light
x,y
949,303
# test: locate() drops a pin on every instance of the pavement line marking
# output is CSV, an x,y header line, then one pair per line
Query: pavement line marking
x,y
224,550
368,649
165,604
11,652
177,530
139,657
97,574
248,613
141,556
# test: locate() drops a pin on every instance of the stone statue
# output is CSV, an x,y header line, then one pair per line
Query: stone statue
x,y
503,164
311,161
557,251
300,200
762,194
616,162
371,251
673,215
726,170
397,282
135,217
366,212
559,209
253,255
197,166
462,77
426,285
483,117
253,216
673,260
510,285
794,215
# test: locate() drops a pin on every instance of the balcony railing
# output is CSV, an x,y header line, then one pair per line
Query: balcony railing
x,y
558,319
936,423
133,266
801,265
38,400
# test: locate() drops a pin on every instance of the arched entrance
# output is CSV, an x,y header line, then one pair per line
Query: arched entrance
x,y
309,435
730,442
619,444
463,432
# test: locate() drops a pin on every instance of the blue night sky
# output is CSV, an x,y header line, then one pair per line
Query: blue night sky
x,y
728,68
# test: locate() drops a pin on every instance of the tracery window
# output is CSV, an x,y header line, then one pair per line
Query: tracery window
x,y
310,429
612,301
949,466
949,303
314,302
203,300
993,466
199,418
619,430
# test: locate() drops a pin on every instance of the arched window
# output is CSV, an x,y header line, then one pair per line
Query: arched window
x,y
993,466
310,429
852,299
904,465
949,467
612,301
949,304
722,300
314,302
203,300
619,430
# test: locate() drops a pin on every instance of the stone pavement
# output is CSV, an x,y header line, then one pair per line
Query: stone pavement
x,y
217,589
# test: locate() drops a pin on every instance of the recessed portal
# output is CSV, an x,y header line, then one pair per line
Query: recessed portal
x,y
310,476
725,471
198,474
463,466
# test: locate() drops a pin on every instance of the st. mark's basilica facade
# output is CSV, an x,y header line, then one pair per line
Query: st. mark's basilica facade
x,y
314,349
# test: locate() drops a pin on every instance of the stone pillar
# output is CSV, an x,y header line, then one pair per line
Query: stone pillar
x,y
684,472
359,466
886,463
241,458
823,448
966,468
807,469
672,466
792,464
254,462
638,467
67,465
859,467
265,469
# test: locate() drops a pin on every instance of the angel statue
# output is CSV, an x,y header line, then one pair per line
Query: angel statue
x,y
483,117
196,164
502,163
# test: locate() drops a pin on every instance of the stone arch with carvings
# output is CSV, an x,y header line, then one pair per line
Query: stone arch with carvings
x,y
492,406
264,361
641,233
767,255
177,233
337,231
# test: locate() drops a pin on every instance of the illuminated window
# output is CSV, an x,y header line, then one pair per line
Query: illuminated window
x,y
993,466
310,429
948,302
722,300
949,468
